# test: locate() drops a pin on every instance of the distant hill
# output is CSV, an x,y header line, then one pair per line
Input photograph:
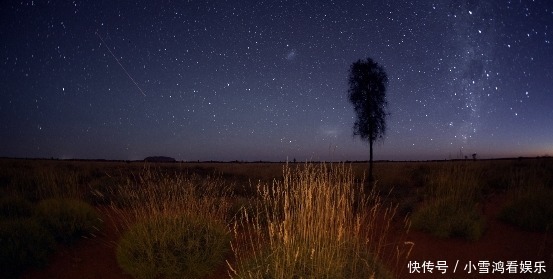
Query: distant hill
x,y
159,159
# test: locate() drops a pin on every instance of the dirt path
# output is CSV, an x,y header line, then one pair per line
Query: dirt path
x,y
88,259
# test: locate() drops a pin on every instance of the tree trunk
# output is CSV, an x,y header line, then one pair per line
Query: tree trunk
x,y
371,180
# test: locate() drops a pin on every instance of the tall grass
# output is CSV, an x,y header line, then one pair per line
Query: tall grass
x,y
173,225
36,180
316,223
154,193
450,207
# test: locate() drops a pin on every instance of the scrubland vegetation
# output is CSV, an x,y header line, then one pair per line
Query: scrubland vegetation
x,y
262,220
451,196
39,206
173,224
315,223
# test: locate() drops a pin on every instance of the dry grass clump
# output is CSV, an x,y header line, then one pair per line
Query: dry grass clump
x,y
173,247
173,225
317,223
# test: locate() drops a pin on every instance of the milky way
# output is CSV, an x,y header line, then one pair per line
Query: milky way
x,y
267,80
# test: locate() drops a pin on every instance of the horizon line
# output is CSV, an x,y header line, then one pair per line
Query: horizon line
x,y
174,161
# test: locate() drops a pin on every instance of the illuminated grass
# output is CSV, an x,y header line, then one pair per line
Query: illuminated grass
x,y
173,225
317,223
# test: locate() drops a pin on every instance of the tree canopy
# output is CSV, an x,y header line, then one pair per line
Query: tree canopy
x,y
367,93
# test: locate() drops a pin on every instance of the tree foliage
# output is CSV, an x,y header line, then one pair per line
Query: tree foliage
x,y
367,93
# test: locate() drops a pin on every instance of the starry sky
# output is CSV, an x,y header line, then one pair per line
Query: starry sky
x,y
267,80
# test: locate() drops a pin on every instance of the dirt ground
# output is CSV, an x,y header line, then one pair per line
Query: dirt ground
x,y
501,242
95,257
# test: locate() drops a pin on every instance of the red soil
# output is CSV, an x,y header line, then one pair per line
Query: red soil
x,y
95,257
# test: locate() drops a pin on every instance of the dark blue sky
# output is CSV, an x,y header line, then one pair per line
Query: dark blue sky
x,y
267,80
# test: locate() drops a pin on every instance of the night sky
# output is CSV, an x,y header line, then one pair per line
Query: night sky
x,y
267,80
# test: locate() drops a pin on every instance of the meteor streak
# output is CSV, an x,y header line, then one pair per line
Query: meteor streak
x,y
118,62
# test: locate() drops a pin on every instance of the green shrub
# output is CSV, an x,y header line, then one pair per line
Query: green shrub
x,y
172,247
531,211
450,204
15,207
24,244
68,219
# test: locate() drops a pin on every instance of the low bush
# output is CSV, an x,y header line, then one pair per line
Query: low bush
x,y
173,247
445,220
25,243
68,219
449,208
532,210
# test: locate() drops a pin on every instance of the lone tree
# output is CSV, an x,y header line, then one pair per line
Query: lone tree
x,y
367,93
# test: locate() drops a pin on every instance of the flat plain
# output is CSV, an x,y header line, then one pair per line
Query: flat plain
x,y
443,219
